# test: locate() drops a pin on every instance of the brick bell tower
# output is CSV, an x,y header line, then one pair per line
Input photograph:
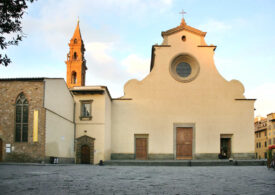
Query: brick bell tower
x,y
76,63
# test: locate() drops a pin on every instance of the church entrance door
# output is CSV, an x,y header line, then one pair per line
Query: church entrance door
x,y
85,154
1,150
184,142
141,148
225,147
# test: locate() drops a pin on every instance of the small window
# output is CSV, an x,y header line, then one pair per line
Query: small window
x,y
74,77
75,56
259,134
75,41
265,155
183,38
86,110
260,145
265,144
21,119
269,141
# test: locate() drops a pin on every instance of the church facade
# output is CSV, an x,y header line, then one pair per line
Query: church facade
x,y
183,109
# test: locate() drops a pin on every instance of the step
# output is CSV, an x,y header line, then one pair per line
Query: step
x,y
185,162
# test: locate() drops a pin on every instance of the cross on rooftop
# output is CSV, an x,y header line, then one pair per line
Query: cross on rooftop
x,y
182,12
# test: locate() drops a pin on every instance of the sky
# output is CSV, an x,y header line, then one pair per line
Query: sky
x,y
119,34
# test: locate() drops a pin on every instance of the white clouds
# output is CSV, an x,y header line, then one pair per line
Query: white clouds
x,y
99,52
215,26
265,95
136,66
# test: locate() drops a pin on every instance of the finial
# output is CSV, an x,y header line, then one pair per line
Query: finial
x,y
77,19
182,12
183,23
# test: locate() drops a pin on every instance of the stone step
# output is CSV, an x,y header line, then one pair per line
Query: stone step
x,y
185,163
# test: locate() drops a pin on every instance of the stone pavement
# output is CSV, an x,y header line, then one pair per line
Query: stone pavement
x,y
88,179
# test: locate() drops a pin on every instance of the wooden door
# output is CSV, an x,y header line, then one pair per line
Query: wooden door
x,y
184,142
1,150
141,148
85,154
226,147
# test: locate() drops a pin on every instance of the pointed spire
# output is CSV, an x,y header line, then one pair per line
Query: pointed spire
x,y
183,23
77,34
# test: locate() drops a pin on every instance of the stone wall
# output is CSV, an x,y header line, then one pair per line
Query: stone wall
x,y
34,92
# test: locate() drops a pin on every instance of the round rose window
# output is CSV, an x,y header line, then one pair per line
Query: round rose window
x,y
183,69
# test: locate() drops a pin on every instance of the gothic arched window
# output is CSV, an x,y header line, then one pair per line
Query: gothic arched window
x,y
75,41
74,80
21,118
75,55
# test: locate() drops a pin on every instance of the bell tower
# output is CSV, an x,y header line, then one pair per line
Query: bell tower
x,y
76,63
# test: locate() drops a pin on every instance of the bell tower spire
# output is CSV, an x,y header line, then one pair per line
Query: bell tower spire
x,y
76,63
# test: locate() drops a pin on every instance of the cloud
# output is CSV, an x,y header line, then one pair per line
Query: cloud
x,y
215,26
265,96
99,52
136,66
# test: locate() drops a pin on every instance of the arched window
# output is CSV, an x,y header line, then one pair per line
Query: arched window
x,y
75,55
74,79
75,41
21,118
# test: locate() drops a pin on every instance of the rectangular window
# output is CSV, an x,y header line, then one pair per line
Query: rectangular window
x,y
269,141
86,110
274,140
265,133
265,144
265,155
259,144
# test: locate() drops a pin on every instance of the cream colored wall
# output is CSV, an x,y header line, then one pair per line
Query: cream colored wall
x,y
95,127
59,136
108,122
59,107
58,98
159,101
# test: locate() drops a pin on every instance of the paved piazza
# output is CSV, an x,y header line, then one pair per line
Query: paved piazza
x,y
87,179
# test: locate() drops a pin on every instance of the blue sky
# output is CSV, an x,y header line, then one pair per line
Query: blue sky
x,y
118,35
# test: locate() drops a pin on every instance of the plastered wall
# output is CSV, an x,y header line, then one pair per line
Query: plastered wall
x,y
159,101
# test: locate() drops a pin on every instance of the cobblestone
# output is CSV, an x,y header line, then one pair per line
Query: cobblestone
x,y
87,179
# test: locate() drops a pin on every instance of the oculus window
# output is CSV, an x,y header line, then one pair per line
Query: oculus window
x,y
184,68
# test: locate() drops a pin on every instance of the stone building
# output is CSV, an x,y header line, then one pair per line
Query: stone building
x,y
260,137
264,135
36,120
183,109
270,129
